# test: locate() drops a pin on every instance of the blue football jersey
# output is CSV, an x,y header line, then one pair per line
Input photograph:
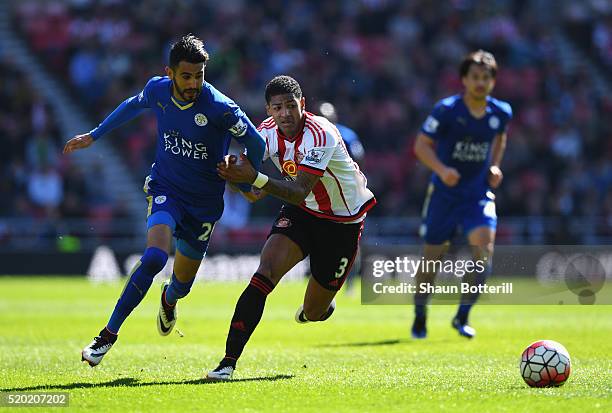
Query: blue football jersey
x,y
464,142
352,141
192,138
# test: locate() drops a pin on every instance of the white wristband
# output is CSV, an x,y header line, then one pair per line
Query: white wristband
x,y
260,181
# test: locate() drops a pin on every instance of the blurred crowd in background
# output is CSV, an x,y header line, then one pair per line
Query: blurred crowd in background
x,y
590,24
382,63
36,179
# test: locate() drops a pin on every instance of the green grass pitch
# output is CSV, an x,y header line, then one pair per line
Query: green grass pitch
x,y
362,359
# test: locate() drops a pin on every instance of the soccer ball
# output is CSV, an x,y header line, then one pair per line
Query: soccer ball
x,y
545,363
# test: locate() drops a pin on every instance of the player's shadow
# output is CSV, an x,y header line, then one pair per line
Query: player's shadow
x,y
391,342
366,343
132,382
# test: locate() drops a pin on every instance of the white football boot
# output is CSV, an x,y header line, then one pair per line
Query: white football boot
x,y
97,349
166,319
221,373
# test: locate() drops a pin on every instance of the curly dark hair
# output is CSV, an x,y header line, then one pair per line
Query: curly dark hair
x,y
480,58
283,85
188,49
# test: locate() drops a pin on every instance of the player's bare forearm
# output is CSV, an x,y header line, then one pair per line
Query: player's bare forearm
x,y
251,196
293,192
498,149
424,151
497,152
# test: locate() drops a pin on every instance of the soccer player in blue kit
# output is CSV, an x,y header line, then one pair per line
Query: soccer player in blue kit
x,y
462,142
185,195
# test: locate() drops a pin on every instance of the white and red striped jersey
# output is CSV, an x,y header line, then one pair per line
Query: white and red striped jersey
x,y
341,194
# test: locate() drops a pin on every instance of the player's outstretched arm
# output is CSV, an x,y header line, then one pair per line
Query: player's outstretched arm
x,y
127,110
78,142
293,192
424,151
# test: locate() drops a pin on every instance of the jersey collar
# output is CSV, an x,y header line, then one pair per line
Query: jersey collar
x,y
467,110
179,105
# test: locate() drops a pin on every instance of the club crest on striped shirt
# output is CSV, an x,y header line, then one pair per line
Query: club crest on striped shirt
x,y
290,168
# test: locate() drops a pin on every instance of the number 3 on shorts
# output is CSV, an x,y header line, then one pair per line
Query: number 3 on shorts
x,y
342,268
207,228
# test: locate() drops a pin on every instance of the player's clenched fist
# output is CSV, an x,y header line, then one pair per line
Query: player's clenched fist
x,y
78,142
236,172
495,176
230,159
450,176
227,161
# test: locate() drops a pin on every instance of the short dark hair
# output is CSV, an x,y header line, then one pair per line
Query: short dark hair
x,y
189,49
480,58
283,85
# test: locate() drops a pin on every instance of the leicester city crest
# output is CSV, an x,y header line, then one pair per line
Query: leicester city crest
x,y
494,122
200,119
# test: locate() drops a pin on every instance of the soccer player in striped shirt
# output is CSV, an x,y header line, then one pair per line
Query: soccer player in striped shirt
x,y
326,201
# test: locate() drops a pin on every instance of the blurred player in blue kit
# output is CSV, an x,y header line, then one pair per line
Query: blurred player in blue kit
x,y
185,195
462,142
349,136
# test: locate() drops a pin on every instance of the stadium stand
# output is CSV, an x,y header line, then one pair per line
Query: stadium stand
x,y
383,64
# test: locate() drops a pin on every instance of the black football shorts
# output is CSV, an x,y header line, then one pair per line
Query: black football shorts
x,y
332,246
